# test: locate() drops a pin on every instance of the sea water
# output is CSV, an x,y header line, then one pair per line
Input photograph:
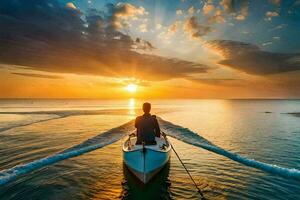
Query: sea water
x,y
71,149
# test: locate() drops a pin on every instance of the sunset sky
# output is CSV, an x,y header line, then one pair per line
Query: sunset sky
x,y
158,48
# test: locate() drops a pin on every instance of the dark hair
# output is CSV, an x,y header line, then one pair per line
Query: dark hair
x,y
146,107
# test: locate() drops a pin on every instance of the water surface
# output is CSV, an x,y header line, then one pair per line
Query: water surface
x,y
258,129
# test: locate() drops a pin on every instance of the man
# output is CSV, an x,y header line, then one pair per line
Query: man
x,y
147,127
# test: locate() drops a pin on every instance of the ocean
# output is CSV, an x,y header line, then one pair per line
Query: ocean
x,y
71,149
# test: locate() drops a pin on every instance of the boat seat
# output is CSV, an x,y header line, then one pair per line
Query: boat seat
x,y
160,143
147,143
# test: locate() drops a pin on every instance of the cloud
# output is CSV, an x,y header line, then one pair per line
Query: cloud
x,y
121,13
63,40
228,5
281,26
214,14
217,81
275,2
208,8
158,26
191,10
141,44
35,75
240,17
143,28
267,43
195,29
244,8
251,59
270,15
217,17
237,8
71,5
173,28
179,12
243,11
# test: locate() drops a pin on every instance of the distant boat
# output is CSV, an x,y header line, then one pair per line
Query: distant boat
x,y
145,161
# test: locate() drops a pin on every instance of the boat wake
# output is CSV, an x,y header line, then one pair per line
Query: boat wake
x,y
189,137
91,144
115,134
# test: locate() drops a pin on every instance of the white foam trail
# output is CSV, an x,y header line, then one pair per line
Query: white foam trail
x,y
116,134
92,144
194,139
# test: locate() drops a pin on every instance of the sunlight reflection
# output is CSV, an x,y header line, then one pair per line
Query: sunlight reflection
x,y
131,106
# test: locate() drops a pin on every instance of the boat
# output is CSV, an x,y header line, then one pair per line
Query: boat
x,y
154,189
145,161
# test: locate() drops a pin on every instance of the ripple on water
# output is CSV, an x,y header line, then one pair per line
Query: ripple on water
x,y
100,174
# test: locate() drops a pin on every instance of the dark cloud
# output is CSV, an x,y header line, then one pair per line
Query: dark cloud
x,y
195,29
47,36
39,75
228,5
237,8
233,6
251,59
141,44
217,81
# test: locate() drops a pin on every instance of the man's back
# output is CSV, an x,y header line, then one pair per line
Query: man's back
x,y
147,128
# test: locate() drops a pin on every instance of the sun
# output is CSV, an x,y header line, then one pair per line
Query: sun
x,y
131,88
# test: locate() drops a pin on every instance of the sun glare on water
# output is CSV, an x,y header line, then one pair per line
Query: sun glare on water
x,y
131,88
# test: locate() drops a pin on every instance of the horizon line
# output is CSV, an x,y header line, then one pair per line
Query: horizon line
x,y
82,98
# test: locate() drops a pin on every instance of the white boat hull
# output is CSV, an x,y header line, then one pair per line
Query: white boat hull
x,y
145,162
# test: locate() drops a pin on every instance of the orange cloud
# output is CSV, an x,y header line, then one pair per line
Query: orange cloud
x,y
123,12
195,29
71,5
208,8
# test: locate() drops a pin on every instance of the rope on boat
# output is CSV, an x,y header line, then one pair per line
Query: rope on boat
x,y
187,171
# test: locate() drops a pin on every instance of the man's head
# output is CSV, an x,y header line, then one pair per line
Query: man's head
x,y
146,107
